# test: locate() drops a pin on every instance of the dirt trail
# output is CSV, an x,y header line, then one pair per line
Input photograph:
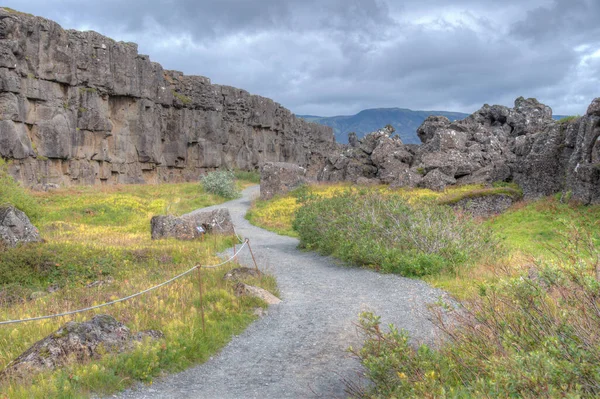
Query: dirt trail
x,y
299,349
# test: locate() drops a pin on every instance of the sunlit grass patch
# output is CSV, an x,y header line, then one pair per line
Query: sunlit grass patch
x,y
103,234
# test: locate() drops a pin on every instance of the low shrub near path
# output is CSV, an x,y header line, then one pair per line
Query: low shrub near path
x,y
530,336
386,232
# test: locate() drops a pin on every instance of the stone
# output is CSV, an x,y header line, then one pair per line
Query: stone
x,y
242,289
436,180
16,228
217,221
168,226
77,342
594,108
278,178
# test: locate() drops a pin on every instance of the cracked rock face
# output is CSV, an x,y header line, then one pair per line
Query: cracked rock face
x,y
81,108
521,144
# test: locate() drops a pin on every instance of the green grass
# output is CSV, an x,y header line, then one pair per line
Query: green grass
x,y
93,233
532,228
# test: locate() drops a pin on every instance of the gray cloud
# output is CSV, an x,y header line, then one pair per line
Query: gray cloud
x,y
329,57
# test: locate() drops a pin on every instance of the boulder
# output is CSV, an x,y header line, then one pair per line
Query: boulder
x,y
168,226
279,178
77,342
16,228
217,221
187,227
436,180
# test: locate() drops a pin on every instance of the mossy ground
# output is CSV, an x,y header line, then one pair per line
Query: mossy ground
x,y
93,233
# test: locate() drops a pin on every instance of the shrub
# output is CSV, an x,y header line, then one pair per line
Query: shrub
x,y
221,183
532,336
387,233
11,192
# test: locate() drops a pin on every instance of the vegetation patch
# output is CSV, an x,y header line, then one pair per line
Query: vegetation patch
x,y
386,232
99,249
14,194
530,336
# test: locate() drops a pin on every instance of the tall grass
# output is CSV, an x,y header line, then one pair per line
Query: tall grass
x,y
103,234
12,193
531,336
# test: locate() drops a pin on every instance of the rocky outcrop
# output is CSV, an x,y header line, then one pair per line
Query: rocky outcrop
x,y
16,228
80,108
279,178
192,226
522,144
77,342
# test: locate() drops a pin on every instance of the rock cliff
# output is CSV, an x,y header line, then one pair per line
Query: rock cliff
x,y
80,108
522,144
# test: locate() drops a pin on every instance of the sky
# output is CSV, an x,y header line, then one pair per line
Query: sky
x,y
337,57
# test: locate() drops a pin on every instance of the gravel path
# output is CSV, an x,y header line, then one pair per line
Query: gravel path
x,y
298,349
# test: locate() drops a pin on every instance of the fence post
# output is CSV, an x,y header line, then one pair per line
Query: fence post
x,y
234,257
252,253
199,267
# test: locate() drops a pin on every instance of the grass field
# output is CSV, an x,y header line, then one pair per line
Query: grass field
x,y
103,234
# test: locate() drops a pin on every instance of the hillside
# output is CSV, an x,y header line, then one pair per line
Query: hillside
x,y
405,121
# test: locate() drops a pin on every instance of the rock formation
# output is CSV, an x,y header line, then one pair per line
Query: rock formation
x,y
77,342
80,108
521,144
192,226
16,228
279,178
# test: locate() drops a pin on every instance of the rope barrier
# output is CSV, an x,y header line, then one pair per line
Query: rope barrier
x,y
127,297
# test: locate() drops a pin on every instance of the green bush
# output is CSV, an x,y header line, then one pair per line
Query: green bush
x,y
532,336
221,182
12,193
387,233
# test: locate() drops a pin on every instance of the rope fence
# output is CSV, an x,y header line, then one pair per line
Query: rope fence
x,y
197,267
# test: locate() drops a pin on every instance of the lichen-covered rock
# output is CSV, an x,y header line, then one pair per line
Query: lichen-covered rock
x,y
436,180
76,342
279,178
217,221
16,228
81,108
187,227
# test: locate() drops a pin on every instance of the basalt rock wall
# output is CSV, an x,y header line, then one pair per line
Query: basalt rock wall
x,y
80,108
522,144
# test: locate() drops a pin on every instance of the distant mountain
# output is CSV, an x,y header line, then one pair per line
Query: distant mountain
x,y
405,121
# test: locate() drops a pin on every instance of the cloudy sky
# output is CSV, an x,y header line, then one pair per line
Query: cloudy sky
x,y
332,57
